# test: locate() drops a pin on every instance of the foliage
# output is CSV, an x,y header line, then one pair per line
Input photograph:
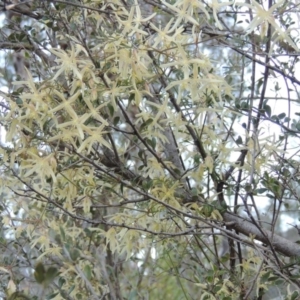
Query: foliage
x,y
149,149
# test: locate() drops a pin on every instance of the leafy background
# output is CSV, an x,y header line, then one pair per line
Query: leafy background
x,y
149,150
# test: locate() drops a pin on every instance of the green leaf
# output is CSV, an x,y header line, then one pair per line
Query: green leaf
x,y
133,295
53,295
19,296
265,277
281,116
207,210
268,110
61,281
51,273
39,273
197,159
74,254
295,295
19,101
272,278
147,184
194,192
146,124
270,196
237,105
87,272
225,258
131,97
43,276
141,154
116,120
259,83
111,109
279,282
275,118
71,289
151,142
260,191
62,233
244,106
239,140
